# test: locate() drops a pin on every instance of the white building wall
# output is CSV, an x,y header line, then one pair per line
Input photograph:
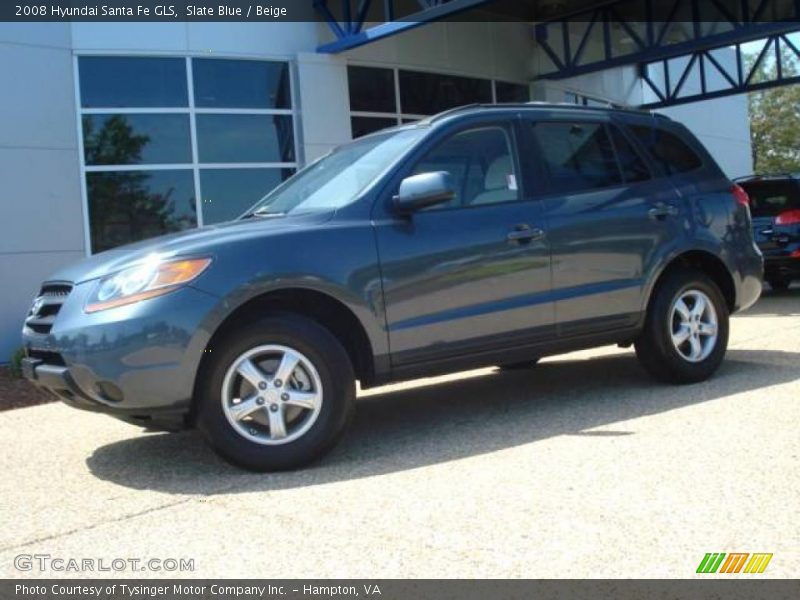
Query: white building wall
x,y
41,213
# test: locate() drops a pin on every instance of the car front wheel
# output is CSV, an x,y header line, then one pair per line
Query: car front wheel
x,y
686,329
277,395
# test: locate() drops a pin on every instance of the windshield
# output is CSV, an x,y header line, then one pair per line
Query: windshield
x,y
338,178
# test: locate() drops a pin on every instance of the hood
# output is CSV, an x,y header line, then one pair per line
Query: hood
x,y
198,241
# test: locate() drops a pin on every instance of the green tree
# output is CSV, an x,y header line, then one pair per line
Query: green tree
x,y
775,118
123,206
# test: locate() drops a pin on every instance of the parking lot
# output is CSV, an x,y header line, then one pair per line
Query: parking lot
x,y
581,467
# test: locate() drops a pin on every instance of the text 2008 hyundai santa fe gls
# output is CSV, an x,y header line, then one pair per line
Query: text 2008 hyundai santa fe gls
x,y
485,235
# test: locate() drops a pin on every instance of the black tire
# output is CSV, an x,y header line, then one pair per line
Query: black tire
x,y
335,372
519,366
779,285
654,346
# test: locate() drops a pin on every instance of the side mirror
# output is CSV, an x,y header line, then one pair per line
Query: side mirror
x,y
424,190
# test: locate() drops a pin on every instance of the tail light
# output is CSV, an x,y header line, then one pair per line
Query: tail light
x,y
740,195
788,217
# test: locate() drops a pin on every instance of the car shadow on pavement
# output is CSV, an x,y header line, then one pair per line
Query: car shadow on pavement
x,y
433,423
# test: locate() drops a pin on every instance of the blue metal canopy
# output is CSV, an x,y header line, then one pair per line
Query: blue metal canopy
x,y
663,29
655,35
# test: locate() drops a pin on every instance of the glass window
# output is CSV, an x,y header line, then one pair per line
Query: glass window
x,y
668,150
363,125
130,139
770,198
245,138
371,89
429,93
110,82
339,177
128,206
511,92
633,167
577,156
240,84
228,193
481,163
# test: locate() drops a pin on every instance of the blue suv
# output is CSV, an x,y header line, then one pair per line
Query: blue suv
x,y
487,235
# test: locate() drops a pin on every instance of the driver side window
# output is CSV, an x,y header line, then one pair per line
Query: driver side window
x,y
481,164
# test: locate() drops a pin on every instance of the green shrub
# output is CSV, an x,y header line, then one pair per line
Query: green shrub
x,y
16,362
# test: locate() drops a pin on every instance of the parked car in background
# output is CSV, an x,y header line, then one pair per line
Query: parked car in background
x,y
775,209
487,235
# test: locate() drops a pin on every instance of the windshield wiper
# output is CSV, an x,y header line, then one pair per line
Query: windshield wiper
x,y
264,214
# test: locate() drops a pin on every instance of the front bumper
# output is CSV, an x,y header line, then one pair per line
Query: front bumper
x,y
137,363
60,382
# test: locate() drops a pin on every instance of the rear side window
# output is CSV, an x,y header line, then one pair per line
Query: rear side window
x,y
771,198
633,167
668,150
577,156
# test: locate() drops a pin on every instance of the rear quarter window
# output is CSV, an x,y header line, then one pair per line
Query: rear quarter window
x,y
671,153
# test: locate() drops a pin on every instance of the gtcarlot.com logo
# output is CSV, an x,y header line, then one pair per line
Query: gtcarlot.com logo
x,y
47,562
734,562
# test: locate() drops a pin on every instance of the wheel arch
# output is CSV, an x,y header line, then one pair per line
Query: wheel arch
x,y
706,262
321,307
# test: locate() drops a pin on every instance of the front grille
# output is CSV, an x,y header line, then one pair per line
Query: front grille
x,y
48,358
46,307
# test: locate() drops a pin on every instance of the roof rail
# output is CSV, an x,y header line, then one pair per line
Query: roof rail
x,y
539,103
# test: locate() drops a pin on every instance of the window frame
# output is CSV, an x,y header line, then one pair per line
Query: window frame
x,y
659,172
506,125
548,188
640,152
194,166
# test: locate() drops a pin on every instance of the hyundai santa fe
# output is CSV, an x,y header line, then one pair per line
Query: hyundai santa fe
x,y
486,235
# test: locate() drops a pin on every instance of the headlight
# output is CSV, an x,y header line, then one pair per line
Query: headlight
x,y
148,280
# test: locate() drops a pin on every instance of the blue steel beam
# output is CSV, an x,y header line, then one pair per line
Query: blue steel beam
x,y
557,41
351,33
737,78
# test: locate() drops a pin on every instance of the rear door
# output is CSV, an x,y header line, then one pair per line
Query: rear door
x,y
608,220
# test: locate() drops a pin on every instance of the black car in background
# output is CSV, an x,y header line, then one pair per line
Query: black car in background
x,y
775,207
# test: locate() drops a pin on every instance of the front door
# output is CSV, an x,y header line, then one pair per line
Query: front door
x,y
474,274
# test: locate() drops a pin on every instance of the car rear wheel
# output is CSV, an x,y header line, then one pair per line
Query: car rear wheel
x,y
686,329
277,394
779,285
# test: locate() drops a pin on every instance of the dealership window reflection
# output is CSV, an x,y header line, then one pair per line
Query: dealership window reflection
x,y
382,97
149,148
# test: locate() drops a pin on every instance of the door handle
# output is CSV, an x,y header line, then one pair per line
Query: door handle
x,y
523,233
662,210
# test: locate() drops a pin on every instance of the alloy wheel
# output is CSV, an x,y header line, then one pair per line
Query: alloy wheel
x,y
694,325
272,394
